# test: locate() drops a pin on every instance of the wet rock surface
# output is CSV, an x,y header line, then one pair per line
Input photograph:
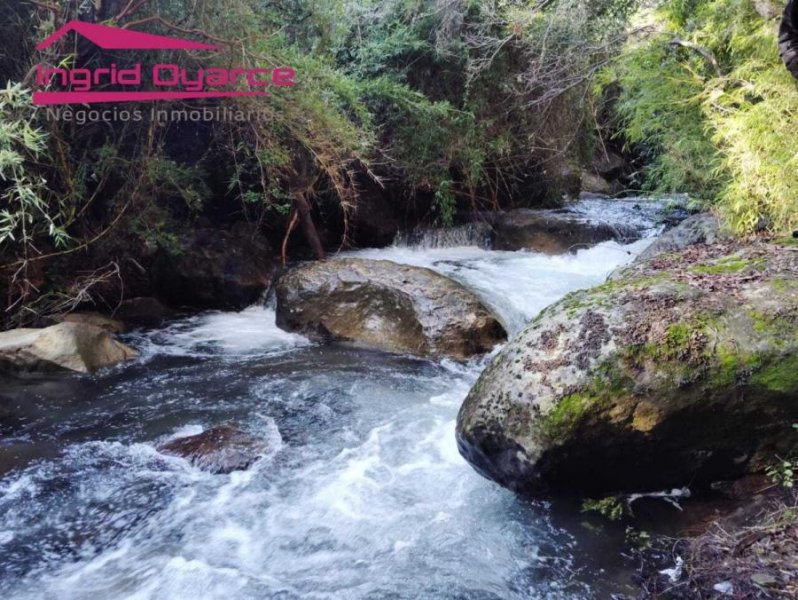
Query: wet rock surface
x,y
554,231
703,228
682,369
67,346
575,226
219,450
388,306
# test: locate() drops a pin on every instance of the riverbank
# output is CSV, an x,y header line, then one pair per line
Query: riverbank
x,y
749,553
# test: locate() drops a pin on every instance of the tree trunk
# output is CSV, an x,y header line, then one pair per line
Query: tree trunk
x,y
302,207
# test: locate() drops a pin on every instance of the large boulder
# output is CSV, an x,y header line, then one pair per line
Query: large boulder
x,y
215,269
682,370
67,346
218,450
384,305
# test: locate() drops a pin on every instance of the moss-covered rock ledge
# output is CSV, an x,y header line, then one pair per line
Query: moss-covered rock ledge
x,y
682,370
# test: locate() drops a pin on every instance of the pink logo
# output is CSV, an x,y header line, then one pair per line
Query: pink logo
x,y
170,81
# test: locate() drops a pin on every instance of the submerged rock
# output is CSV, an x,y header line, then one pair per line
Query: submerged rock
x,y
218,450
384,305
682,370
67,346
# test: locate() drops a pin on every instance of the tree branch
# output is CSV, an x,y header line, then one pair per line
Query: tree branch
x,y
703,52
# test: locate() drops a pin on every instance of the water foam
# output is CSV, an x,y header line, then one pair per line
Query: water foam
x,y
364,496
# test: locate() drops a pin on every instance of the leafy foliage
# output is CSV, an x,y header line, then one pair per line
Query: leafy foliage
x,y
706,97
610,507
29,209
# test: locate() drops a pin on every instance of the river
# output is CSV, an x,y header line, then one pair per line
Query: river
x,y
363,494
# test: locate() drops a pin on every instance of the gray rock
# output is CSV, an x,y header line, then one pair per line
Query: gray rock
x,y
595,184
610,165
67,346
383,305
697,229
683,370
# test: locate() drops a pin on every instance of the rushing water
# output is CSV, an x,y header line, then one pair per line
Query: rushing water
x,y
363,494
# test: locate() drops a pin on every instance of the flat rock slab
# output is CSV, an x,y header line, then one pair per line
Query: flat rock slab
x,y
384,305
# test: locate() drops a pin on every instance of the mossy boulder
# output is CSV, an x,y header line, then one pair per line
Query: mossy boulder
x,y
384,305
681,370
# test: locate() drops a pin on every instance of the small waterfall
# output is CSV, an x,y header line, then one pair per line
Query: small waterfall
x,y
478,234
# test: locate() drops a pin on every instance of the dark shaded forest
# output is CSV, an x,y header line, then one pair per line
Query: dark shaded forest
x,y
405,113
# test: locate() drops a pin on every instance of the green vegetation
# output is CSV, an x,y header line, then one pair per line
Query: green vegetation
x,y
782,472
607,385
781,377
29,210
433,108
705,97
440,107
611,507
728,265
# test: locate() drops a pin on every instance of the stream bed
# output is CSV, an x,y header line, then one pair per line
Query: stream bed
x,y
363,494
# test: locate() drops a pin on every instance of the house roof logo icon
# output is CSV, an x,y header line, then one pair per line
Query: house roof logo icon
x,y
114,38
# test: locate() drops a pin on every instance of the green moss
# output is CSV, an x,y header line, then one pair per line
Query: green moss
x,y
574,302
784,285
677,351
779,330
564,417
608,384
780,376
729,363
787,241
728,265
677,337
